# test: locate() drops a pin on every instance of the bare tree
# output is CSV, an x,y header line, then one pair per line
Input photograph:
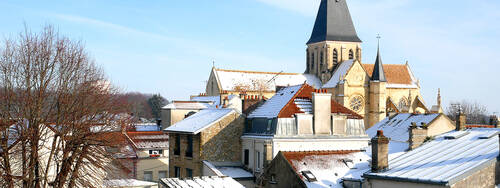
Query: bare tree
x,y
475,112
56,110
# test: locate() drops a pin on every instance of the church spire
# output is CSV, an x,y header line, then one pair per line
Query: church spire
x,y
333,23
378,69
439,97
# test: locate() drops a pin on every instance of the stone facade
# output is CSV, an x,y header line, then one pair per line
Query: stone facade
x,y
486,177
280,174
219,142
417,136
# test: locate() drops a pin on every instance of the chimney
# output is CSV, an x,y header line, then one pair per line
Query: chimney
x,y
158,123
380,152
417,135
494,120
461,120
322,111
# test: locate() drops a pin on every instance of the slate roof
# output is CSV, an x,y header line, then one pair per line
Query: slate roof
x,y
339,74
378,70
188,105
205,181
200,121
229,80
333,23
396,127
272,107
445,161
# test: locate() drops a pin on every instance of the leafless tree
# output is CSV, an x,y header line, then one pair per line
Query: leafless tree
x,y
475,112
56,113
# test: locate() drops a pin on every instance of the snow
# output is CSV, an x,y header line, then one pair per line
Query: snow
x,y
128,183
445,160
142,127
396,127
230,79
339,74
195,105
235,172
304,105
273,106
200,120
205,181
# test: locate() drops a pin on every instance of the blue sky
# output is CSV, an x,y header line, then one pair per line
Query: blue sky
x,y
168,47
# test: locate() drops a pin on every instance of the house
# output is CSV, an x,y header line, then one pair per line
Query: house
x,y
314,168
205,181
299,118
178,110
151,149
211,134
411,130
234,170
463,158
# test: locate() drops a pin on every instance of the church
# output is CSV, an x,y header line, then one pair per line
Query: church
x,y
334,62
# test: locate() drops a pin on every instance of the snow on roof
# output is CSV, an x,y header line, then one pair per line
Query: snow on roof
x,y
149,140
396,127
205,181
329,167
272,107
189,105
128,183
215,100
445,161
234,172
339,74
200,120
146,127
230,79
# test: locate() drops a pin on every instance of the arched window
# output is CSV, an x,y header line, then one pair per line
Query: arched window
x,y
321,61
312,61
351,54
335,56
308,62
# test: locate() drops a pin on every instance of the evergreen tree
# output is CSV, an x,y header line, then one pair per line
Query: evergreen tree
x,y
156,102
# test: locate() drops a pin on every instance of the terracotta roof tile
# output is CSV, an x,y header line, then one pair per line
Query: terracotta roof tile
x,y
395,74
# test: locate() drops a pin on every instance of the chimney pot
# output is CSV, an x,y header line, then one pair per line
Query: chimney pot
x,y
380,152
380,133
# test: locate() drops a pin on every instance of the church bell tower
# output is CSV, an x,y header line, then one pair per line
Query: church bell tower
x,y
333,40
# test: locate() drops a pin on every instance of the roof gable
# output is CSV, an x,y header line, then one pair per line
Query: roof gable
x,y
199,121
396,127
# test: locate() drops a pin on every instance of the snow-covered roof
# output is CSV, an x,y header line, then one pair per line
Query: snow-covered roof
x,y
233,170
339,74
149,140
128,183
146,127
230,79
445,161
205,181
188,105
329,167
200,120
272,107
396,127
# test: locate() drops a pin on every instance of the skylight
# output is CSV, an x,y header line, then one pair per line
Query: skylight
x,y
309,175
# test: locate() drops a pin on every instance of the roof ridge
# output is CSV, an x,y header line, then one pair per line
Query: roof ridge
x,y
258,72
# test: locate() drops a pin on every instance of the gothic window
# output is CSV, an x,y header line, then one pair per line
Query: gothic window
x,y
307,61
335,56
312,61
357,103
403,104
351,54
321,61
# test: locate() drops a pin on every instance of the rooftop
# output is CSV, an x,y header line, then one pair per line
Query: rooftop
x,y
200,121
396,127
189,105
205,181
149,140
394,74
128,183
445,160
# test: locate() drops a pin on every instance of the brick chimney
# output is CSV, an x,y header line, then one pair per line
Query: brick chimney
x,y
380,152
322,111
461,120
417,135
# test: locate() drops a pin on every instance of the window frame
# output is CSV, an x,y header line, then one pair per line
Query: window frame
x,y
147,172
189,149
177,147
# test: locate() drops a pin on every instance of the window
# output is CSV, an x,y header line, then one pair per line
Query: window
x,y
177,172
335,56
155,153
162,174
177,148
312,61
258,160
357,103
189,173
321,59
247,156
403,104
148,175
189,151
351,54
308,62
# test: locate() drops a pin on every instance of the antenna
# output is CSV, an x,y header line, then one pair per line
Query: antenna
x,y
274,77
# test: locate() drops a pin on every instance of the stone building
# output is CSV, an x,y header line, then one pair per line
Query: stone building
x,y
211,134
334,62
151,150
299,118
465,158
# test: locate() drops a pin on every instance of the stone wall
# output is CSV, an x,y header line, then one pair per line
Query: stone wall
x,y
486,177
221,142
182,160
280,174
